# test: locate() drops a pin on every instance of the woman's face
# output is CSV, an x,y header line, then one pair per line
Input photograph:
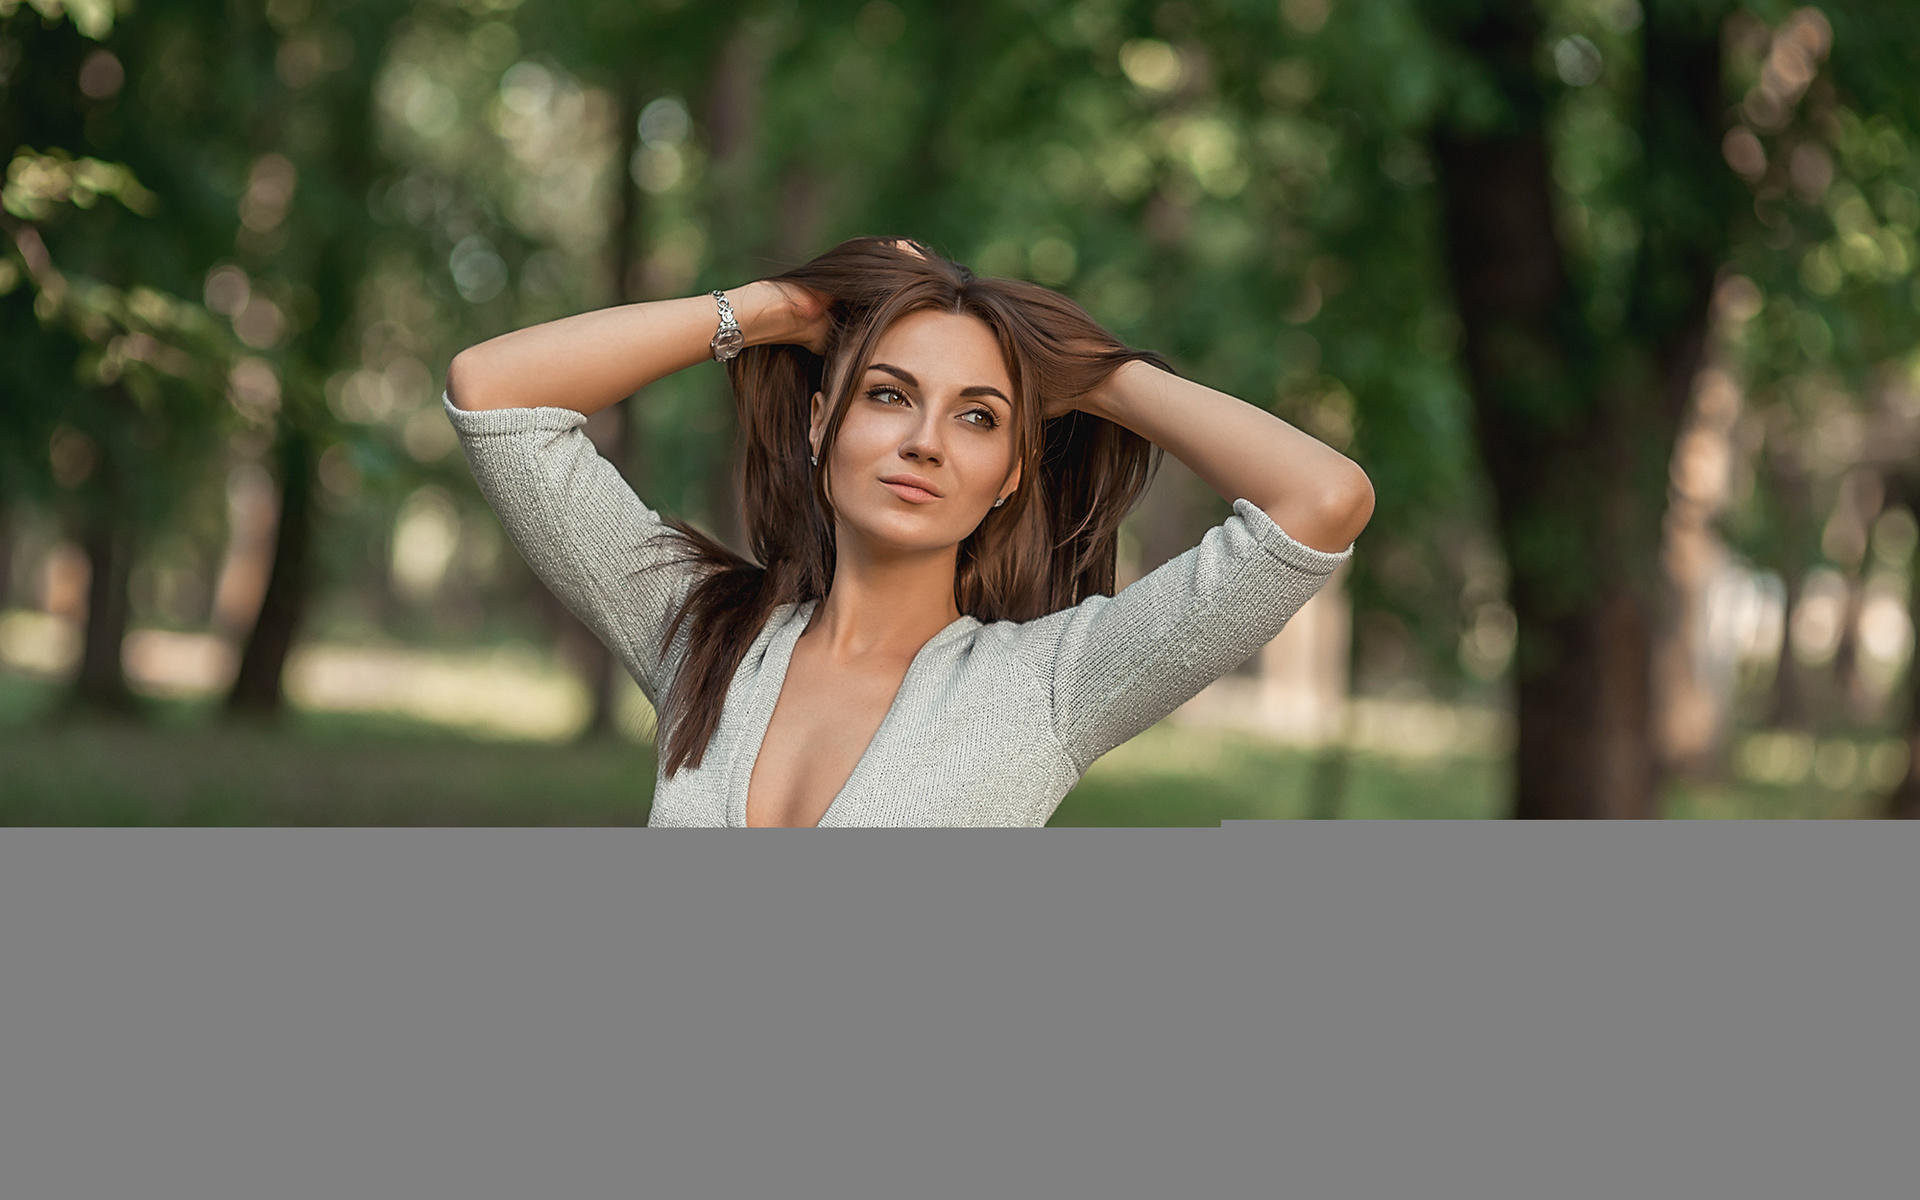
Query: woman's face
x,y
927,444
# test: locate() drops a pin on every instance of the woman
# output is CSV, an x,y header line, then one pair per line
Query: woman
x,y
935,470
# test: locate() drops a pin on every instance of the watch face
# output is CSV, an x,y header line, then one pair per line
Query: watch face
x,y
728,342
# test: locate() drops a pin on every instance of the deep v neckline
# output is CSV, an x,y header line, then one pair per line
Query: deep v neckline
x,y
772,680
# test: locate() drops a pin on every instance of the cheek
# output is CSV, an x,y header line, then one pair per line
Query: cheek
x,y
862,439
991,459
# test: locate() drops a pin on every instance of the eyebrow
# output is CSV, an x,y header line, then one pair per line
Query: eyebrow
x,y
910,381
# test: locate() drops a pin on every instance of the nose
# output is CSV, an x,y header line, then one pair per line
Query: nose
x,y
923,442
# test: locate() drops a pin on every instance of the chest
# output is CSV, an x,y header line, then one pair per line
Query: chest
x,y
825,719
962,738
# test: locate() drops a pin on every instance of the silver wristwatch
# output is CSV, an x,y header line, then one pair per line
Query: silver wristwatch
x,y
729,340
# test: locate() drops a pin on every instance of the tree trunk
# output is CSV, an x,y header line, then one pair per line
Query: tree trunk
x,y
108,539
733,120
1787,702
1328,785
256,689
611,429
1575,425
1582,663
7,539
1904,802
1583,749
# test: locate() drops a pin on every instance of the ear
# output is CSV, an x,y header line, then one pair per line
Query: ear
x,y
1012,484
817,423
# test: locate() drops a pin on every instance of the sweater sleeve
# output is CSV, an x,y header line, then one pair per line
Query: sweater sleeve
x,y
1123,662
589,538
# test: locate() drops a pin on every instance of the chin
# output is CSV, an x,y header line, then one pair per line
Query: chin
x,y
912,532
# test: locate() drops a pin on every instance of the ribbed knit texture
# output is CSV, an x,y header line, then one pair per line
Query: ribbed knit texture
x,y
992,725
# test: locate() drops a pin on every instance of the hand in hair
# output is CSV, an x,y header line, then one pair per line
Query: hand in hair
x,y
804,314
805,310
1060,403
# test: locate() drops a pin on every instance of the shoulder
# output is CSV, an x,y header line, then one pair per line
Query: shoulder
x,y
973,655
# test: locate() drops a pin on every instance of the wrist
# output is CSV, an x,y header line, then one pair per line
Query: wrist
x,y
1116,397
764,311
750,309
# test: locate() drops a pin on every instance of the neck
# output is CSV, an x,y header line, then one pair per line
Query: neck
x,y
885,604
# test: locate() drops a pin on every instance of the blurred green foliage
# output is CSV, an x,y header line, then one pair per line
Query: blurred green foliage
x,y
255,232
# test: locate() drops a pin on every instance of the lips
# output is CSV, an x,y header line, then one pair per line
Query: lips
x,y
912,488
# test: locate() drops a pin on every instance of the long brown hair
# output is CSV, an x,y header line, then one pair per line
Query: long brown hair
x,y
1052,545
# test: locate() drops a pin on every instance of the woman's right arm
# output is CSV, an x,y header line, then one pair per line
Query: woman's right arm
x,y
519,404
590,361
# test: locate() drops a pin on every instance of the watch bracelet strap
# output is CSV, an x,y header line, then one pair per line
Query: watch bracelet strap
x,y
727,320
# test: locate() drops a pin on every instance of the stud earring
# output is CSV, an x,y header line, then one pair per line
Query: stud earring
x,y
999,502
814,459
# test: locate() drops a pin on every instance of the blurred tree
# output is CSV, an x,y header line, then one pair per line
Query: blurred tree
x,y
305,233
1581,370
641,56
1822,128
112,397
1839,200
253,133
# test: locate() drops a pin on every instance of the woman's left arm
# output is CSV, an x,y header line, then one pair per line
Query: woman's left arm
x,y
1319,496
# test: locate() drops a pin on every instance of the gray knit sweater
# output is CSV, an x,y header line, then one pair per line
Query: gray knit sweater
x,y
993,724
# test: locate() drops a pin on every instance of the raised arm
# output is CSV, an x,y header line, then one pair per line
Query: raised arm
x,y
595,359
519,404
1320,497
1117,664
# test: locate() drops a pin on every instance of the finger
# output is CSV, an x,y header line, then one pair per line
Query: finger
x,y
907,247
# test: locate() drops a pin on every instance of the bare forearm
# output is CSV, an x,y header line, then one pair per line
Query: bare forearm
x,y
1318,495
589,361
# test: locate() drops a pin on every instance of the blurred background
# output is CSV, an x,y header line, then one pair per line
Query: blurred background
x,y
1615,300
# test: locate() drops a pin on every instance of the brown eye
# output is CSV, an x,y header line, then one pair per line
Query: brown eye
x,y
987,419
886,395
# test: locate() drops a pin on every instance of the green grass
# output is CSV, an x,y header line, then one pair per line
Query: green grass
x,y
177,764
1175,776
1757,802
96,774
